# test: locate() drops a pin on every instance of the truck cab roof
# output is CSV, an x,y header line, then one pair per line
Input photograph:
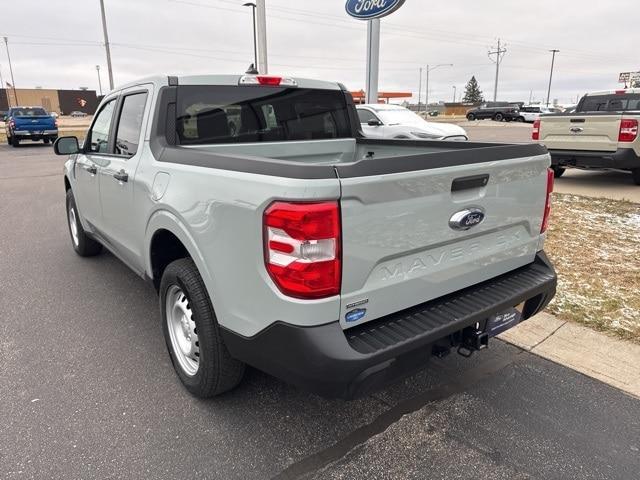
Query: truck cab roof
x,y
231,80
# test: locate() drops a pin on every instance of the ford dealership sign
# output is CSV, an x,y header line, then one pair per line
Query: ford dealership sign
x,y
370,9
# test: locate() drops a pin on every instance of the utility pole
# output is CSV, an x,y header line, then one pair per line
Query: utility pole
x,y
255,38
429,69
455,90
553,61
99,80
106,44
13,82
530,96
420,90
261,28
2,85
499,53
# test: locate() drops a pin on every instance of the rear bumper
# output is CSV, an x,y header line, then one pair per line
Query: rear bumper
x,y
35,133
347,364
623,159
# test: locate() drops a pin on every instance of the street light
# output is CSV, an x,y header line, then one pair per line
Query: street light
x,y
429,69
553,61
255,38
99,81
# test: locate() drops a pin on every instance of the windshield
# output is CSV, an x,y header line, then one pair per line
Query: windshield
x,y
28,112
245,114
399,116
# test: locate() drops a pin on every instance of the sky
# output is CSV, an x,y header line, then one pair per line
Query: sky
x,y
57,44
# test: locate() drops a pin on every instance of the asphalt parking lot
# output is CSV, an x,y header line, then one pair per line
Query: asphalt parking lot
x,y
88,390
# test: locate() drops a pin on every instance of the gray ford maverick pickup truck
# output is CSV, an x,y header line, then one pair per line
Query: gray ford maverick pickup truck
x,y
278,236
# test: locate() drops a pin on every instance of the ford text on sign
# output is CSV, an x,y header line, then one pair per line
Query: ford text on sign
x,y
369,9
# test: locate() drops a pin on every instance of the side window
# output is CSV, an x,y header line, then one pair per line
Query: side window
x,y
130,124
99,134
366,116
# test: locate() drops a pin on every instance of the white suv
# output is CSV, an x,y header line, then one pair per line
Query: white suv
x,y
531,113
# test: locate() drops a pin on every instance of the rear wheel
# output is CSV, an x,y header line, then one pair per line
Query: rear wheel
x,y
192,333
520,119
47,140
636,176
84,245
498,117
557,171
471,117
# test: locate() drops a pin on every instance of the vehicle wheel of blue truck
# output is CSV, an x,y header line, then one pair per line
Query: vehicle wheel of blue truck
x,y
15,142
192,333
84,245
47,140
636,176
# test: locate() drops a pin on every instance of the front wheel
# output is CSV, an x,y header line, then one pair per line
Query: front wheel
x,y
498,117
471,117
47,141
558,171
15,141
192,333
84,245
636,176
520,119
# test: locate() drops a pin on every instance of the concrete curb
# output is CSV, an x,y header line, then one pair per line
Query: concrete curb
x,y
610,360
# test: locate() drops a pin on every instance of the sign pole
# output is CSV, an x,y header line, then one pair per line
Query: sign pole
x,y
373,59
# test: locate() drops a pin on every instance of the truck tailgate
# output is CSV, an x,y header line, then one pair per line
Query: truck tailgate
x,y
595,132
399,249
35,123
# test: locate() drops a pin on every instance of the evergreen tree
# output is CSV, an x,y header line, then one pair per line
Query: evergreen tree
x,y
472,92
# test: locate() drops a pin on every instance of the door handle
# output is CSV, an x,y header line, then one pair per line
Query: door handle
x,y
121,176
92,169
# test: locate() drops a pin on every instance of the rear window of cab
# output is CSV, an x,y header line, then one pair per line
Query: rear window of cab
x,y
610,103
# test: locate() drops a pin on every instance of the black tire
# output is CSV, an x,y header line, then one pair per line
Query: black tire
x,y
471,117
217,371
47,141
15,142
520,119
636,176
84,245
558,171
498,117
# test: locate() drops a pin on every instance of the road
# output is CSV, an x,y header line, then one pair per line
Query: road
x,y
88,391
615,185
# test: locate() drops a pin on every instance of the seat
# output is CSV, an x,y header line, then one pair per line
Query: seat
x,y
213,125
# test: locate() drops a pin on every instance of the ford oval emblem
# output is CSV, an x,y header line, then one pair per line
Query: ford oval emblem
x,y
467,219
355,315
369,9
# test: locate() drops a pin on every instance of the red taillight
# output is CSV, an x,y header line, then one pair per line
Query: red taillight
x,y
302,243
547,204
535,133
270,81
628,130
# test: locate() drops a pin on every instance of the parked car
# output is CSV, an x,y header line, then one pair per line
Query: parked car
x,y
394,121
30,123
531,113
335,262
77,114
601,134
498,113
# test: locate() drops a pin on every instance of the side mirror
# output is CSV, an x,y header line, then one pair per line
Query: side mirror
x,y
374,123
66,146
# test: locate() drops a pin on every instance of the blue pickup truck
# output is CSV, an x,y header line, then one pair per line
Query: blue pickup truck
x,y
30,123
